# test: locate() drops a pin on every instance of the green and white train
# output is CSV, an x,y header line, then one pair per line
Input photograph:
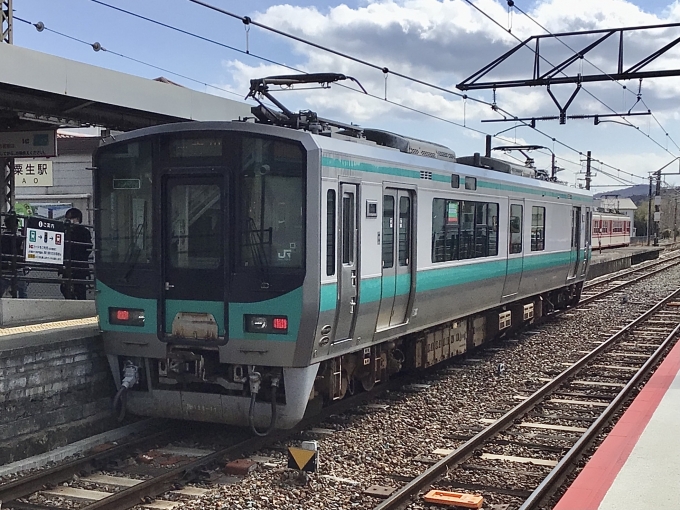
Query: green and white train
x,y
247,272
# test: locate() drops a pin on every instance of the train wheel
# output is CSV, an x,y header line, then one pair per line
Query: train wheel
x,y
368,382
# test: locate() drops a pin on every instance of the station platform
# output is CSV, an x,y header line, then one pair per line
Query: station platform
x,y
638,464
611,260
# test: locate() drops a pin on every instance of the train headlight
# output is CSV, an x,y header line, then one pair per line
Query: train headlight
x,y
126,316
258,323
276,324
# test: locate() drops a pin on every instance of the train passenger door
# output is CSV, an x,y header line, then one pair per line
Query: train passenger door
x,y
348,277
588,241
575,255
193,251
396,247
515,261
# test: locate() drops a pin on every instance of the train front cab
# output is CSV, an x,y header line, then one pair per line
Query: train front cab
x,y
203,254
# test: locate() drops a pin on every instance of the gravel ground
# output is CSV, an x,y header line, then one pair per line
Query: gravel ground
x,y
373,446
393,439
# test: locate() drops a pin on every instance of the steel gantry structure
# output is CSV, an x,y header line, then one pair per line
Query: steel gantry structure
x,y
559,73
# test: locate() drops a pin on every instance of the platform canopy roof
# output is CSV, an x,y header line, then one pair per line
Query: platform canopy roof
x,y
38,90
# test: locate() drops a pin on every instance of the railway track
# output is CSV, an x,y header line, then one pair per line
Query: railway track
x,y
156,489
608,284
556,423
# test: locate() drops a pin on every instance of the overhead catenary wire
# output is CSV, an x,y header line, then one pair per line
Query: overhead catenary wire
x,y
206,39
98,47
628,123
248,21
625,88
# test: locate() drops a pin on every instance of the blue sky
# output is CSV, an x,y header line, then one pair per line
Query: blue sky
x,y
439,41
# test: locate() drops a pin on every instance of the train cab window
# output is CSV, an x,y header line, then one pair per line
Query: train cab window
x,y
125,182
404,230
195,226
537,228
388,232
471,183
330,232
455,181
271,193
515,228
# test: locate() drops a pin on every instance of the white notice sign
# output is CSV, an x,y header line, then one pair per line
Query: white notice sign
x,y
33,172
28,144
44,242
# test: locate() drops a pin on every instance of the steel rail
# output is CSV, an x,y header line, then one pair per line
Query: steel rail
x,y
574,453
637,279
437,470
606,278
57,474
134,495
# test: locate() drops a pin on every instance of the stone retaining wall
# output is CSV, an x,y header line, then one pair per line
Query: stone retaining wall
x,y
52,393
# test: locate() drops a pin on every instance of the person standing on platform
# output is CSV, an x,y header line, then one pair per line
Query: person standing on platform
x,y
80,241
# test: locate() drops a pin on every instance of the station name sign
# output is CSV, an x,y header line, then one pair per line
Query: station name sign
x,y
33,172
28,144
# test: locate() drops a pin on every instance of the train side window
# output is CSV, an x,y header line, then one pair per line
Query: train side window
x,y
515,228
404,230
348,216
467,230
492,229
455,181
388,232
537,228
471,183
330,232
445,234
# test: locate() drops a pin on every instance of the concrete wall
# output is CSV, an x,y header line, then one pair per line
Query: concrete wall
x,y
55,388
16,312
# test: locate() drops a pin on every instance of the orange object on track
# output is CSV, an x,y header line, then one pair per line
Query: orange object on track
x,y
454,499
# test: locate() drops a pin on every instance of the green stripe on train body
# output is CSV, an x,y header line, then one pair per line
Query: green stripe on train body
x,y
289,304
438,278
360,166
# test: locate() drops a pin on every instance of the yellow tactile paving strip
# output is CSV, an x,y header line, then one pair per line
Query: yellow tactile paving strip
x,y
49,326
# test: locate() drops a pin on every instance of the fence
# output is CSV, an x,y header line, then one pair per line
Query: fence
x,y
45,258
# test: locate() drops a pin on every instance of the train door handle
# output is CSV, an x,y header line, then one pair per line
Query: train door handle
x,y
169,286
354,278
352,305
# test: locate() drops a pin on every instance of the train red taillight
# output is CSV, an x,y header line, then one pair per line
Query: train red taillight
x,y
126,316
280,323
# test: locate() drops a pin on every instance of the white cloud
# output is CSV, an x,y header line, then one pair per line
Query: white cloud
x,y
444,41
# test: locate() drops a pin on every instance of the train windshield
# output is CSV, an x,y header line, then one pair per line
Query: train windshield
x,y
265,182
125,188
271,199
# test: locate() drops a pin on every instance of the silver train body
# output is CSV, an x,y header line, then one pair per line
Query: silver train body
x,y
408,259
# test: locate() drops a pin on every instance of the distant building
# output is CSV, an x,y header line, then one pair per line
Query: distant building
x,y
70,182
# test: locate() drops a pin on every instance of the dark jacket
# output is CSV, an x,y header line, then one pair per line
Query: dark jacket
x,y
6,241
80,246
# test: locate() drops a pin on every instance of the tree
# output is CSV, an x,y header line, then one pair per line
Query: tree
x,y
641,218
